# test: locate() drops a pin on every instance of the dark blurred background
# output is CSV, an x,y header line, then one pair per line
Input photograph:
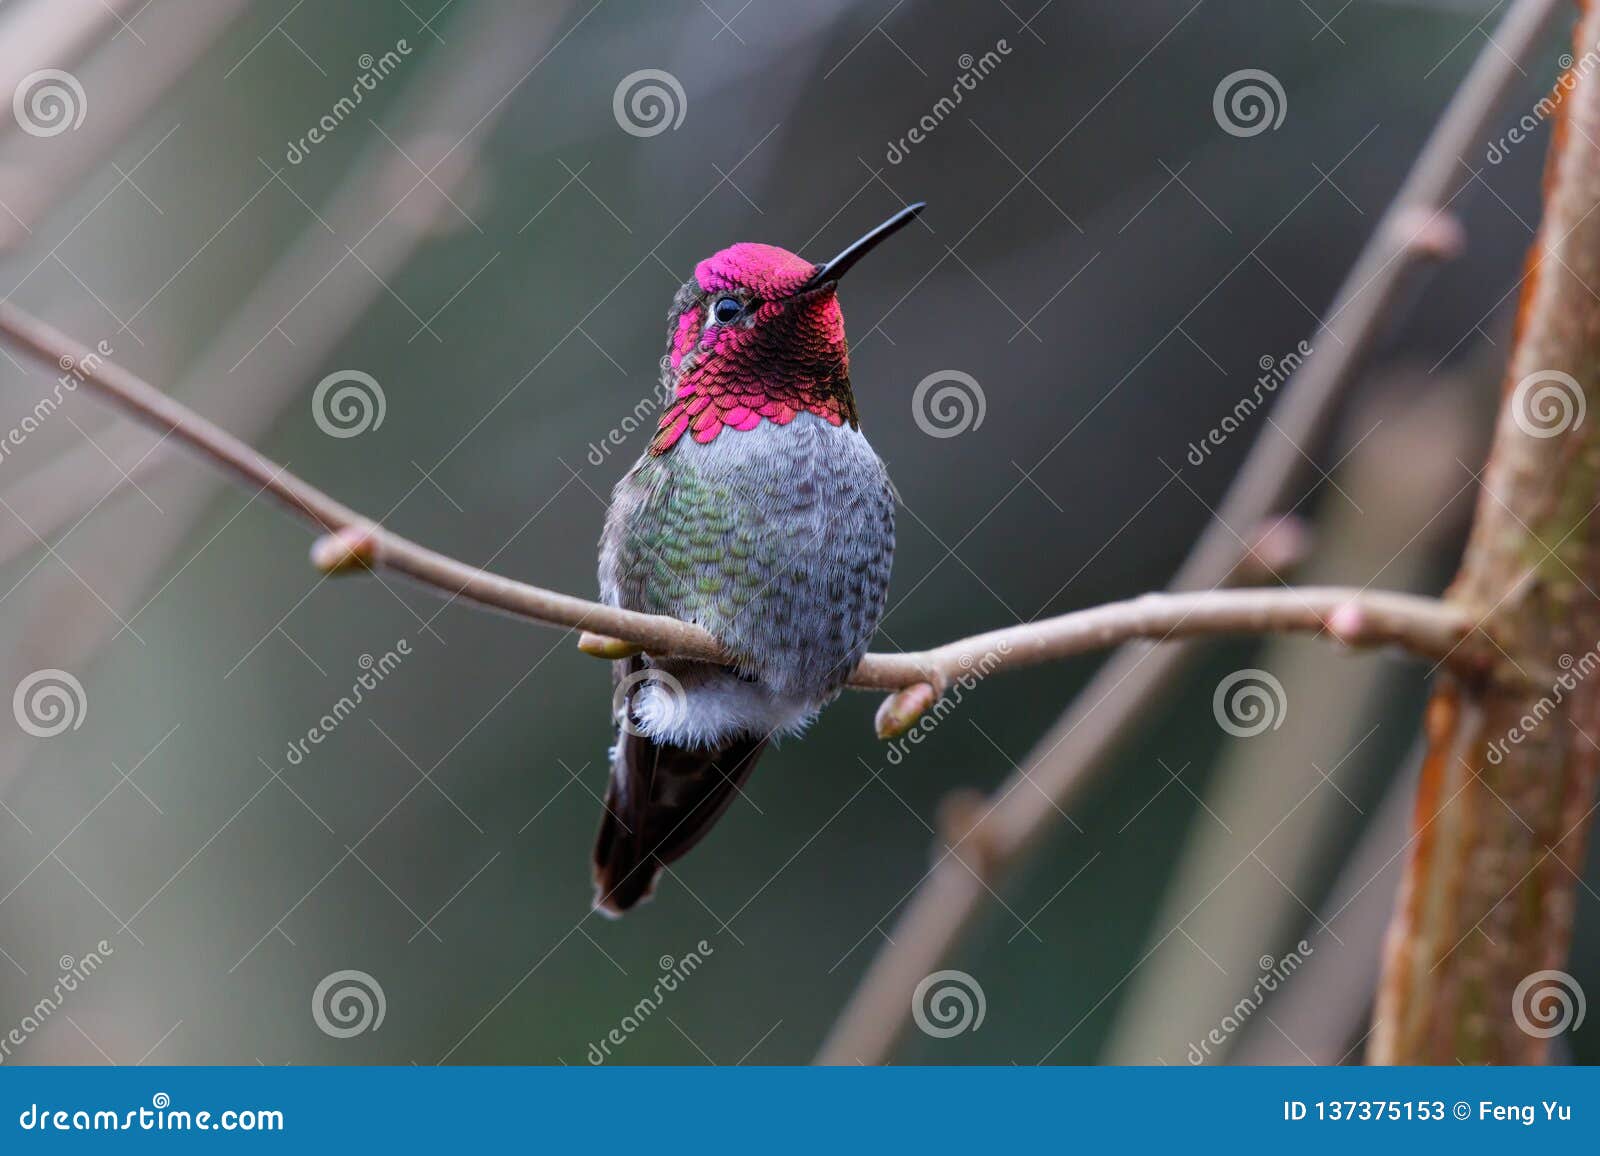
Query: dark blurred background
x,y
484,239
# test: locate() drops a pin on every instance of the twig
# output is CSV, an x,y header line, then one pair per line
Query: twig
x,y
1360,618
453,102
1123,690
1424,626
244,372
1410,432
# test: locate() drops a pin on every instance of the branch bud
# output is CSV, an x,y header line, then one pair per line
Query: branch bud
x,y
351,548
1436,234
1280,545
1348,624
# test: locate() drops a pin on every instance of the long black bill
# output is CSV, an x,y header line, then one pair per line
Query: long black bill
x,y
858,249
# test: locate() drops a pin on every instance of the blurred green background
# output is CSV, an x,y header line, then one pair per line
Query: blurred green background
x,y
483,239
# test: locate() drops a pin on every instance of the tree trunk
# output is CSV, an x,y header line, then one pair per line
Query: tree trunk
x,y
1507,791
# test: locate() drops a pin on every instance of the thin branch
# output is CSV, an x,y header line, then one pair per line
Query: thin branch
x,y
1410,433
245,372
1109,707
1425,626
1357,617
251,364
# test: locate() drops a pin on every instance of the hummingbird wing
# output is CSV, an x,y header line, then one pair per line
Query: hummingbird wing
x,y
679,543
660,801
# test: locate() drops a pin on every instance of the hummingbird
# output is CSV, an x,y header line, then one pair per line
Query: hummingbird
x,y
757,512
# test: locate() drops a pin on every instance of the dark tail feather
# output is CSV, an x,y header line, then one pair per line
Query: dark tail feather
x,y
661,801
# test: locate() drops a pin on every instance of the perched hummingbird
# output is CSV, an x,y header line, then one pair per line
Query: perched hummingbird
x,y
758,512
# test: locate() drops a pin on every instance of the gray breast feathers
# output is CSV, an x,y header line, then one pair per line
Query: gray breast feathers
x,y
778,540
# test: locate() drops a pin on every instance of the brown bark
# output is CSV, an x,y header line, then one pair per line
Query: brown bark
x,y
1507,791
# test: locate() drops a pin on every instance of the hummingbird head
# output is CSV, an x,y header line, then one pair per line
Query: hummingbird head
x,y
758,336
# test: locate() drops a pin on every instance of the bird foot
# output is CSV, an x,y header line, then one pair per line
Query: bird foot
x,y
603,646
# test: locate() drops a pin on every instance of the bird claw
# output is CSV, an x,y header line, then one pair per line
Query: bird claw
x,y
903,708
604,646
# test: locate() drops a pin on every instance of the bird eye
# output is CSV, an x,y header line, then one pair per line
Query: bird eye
x,y
725,309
